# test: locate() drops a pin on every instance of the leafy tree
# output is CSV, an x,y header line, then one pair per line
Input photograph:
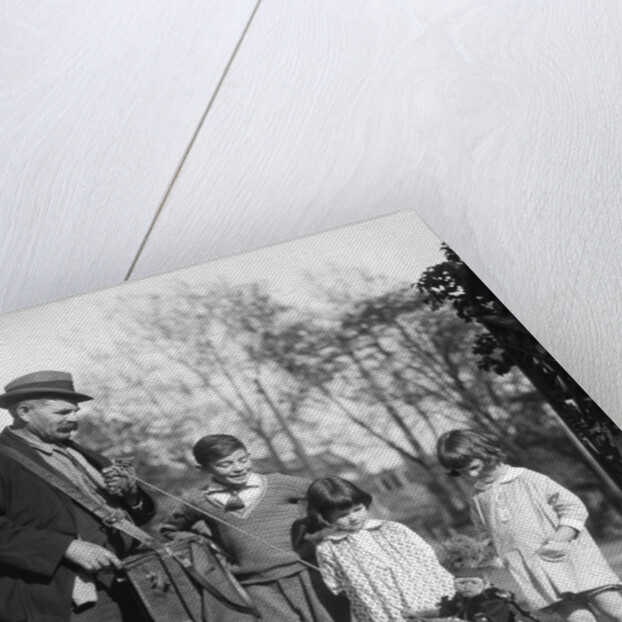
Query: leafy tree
x,y
503,344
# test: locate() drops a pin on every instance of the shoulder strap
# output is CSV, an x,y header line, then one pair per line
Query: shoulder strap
x,y
116,519
110,518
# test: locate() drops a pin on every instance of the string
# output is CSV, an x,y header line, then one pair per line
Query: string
x,y
224,522
227,523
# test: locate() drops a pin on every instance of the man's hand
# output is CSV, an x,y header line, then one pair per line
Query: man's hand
x,y
120,481
91,557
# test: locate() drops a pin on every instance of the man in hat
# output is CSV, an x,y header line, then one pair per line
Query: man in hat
x,y
58,560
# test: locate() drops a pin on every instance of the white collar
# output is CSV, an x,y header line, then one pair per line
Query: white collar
x,y
335,534
509,474
254,481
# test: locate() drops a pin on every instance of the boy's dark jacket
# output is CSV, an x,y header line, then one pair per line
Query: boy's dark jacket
x,y
492,605
37,523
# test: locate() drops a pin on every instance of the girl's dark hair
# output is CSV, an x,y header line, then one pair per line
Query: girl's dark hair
x,y
458,448
333,494
214,447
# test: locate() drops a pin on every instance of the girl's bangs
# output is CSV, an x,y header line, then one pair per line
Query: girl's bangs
x,y
340,503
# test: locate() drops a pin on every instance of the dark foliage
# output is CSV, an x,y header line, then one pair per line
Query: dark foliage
x,y
504,343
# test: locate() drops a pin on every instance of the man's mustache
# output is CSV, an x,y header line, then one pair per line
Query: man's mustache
x,y
68,428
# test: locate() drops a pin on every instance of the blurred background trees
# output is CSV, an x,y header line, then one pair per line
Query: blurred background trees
x,y
361,386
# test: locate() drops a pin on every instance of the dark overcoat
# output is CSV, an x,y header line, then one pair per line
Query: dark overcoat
x,y
37,523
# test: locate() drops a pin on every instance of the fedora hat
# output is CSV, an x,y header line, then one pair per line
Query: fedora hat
x,y
40,383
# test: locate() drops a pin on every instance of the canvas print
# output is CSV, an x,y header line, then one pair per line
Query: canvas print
x,y
345,427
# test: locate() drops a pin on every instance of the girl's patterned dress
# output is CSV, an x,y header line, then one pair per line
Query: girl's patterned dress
x,y
384,569
519,512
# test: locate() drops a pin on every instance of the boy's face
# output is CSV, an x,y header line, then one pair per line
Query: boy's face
x,y
233,470
470,586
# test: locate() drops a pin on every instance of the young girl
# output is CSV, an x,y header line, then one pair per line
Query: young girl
x,y
537,529
387,571
251,516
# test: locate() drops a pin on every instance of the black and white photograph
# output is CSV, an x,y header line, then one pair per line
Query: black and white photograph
x,y
348,426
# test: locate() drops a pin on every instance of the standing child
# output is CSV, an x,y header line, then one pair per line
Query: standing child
x,y
537,529
386,570
251,517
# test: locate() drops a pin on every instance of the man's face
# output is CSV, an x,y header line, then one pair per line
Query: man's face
x,y
232,471
53,421
470,586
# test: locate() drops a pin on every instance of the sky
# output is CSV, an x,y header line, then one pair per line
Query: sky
x,y
398,246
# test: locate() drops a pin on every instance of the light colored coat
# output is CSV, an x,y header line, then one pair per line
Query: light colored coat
x,y
384,569
520,511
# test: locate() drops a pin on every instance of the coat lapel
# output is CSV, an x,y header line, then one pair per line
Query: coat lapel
x,y
8,439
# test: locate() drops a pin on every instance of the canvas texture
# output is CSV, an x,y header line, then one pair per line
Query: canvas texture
x,y
349,426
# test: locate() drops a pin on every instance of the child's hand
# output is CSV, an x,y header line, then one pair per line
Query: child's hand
x,y
553,551
564,534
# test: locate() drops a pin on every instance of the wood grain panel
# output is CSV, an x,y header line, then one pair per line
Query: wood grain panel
x,y
98,101
498,121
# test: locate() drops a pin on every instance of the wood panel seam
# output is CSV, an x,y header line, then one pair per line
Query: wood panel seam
x,y
196,133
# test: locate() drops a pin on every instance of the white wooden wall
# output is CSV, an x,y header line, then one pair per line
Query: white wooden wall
x,y
139,137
